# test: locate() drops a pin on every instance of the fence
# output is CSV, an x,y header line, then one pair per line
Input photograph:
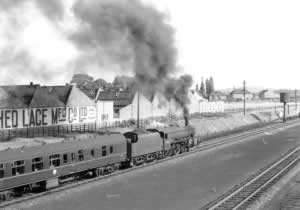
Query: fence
x,y
60,130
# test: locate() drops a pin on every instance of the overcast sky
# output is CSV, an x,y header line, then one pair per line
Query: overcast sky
x,y
257,41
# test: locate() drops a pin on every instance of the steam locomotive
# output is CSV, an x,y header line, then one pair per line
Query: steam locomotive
x,y
47,166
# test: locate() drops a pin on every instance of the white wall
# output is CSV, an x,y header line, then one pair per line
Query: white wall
x,y
37,117
130,111
105,111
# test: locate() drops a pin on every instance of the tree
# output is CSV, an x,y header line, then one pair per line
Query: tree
x,y
86,81
197,88
101,83
212,86
124,82
208,89
202,88
82,80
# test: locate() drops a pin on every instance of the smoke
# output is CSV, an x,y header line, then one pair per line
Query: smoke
x,y
109,33
53,9
178,90
132,34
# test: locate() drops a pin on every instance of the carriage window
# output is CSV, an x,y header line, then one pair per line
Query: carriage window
x,y
80,155
111,149
65,158
103,151
72,157
37,164
93,153
1,170
54,160
18,167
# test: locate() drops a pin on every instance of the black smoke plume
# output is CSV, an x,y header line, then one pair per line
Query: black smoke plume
x,y
178,90
135,34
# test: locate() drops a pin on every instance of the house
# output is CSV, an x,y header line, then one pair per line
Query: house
x,y
238,94
268,95
110,102
218,96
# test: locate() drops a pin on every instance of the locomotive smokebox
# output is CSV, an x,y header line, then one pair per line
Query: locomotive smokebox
x,y
284,97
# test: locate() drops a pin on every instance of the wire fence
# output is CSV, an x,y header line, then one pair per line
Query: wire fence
x,y
60,130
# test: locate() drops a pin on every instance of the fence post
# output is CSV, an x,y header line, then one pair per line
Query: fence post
x,y
58,130
84,128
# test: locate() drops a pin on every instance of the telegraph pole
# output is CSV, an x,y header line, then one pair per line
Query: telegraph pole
x,y
296,99
138,110
244,92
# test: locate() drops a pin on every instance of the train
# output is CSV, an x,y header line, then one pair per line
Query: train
x,y
43,167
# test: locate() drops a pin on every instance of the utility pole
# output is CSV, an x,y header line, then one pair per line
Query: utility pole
x,y
138,110
296,99
244,83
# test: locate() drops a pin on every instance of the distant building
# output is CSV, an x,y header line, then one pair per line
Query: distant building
x,y
238,94
114,99
269,95
218,96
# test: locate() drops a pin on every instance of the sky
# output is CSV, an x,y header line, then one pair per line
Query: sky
x,y
257,41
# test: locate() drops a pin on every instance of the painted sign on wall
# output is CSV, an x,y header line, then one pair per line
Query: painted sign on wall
x,y
22,118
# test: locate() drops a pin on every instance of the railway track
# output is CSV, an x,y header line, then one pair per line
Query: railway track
x,y
202,146
244,194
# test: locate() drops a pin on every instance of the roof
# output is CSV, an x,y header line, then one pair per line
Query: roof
x,y
239,91
16,96
9,100
46,96
61,147
90,92
120,98
62,92
219,93
107,95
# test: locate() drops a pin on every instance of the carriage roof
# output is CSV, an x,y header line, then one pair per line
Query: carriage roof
x,y
60,147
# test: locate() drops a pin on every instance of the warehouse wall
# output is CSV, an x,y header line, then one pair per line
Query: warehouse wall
x,y
105,111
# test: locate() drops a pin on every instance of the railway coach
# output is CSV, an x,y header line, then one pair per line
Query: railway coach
x,y
46,166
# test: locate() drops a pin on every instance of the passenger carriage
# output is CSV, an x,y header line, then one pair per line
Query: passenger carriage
x,y
48,165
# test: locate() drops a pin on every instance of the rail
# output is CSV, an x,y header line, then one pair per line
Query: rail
x,y
247,192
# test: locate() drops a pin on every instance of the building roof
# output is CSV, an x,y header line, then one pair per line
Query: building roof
x,y
218,93
46,96
17,96
107,95
10,101
239,91
62,92
120,98
90,92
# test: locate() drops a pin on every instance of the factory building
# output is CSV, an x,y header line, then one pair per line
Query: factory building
x,y
34,105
